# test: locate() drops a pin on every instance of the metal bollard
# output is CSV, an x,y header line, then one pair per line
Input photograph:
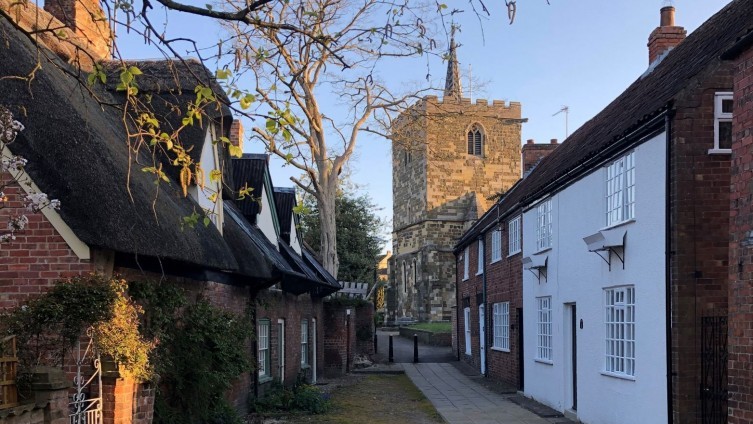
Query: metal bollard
x,y
392,358
415,348
376,343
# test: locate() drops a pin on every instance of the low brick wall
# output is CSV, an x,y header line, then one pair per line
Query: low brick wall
x,y
427,337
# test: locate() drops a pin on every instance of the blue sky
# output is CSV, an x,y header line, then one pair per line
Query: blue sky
x,y
579,53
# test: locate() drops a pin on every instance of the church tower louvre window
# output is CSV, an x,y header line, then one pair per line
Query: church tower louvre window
x,y
476,140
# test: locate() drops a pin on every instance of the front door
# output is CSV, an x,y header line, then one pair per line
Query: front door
x,y
281,350
572,356
482,337
521,370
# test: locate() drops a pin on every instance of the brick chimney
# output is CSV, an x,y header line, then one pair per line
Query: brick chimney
x,y
533,153
666,36
236,133
89,23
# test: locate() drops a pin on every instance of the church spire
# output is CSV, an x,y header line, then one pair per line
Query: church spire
x,y
452,87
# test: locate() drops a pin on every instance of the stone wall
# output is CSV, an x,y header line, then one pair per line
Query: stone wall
x,y
439,189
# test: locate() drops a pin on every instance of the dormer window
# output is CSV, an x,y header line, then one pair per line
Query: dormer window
x,y
476,140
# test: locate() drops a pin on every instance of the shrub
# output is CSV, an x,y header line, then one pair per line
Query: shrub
x,y
48,326
304,398
202,349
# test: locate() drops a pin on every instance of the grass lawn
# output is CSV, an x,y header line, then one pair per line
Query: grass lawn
x,y
377,399
434,327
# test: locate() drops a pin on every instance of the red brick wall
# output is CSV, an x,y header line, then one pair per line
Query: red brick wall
x,y
364,322
228,297
37,258
339,338
699,213
740,252
532,153
275,305
504,284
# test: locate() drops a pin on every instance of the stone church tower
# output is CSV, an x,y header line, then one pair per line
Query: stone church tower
x,y
449,157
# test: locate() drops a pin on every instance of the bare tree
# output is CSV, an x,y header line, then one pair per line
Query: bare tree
x,y
291,71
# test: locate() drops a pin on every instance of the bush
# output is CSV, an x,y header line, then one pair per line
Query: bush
x,y
49,326
303,398
202,349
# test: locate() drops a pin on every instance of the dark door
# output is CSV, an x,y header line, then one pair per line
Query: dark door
x,y
521,373
574,326
714,369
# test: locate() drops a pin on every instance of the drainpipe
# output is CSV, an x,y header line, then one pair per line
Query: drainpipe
x,y
668,262
482,241
457,311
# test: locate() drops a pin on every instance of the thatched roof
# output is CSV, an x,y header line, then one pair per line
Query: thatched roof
x,y
77,153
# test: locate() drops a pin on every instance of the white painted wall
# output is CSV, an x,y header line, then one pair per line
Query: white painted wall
x,y
576,275
294,237
209,161
265,221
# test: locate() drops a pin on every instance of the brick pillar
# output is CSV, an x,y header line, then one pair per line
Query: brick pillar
x,y
364,329
740,339
339,338
236,133
124,400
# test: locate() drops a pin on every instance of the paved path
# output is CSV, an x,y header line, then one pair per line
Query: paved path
x,y
402,349
462,401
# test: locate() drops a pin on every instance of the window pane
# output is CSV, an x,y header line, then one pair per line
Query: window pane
x,y
727,105
725,134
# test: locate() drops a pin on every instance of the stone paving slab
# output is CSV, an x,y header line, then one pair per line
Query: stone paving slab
x,y
460,400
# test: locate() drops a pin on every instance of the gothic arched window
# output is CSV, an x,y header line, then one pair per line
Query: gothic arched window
x,y
476,140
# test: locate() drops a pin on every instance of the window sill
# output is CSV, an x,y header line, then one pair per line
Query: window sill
x,y
479,273
720,151
618,224
544,361
516,252
499,349
540,251
619,376
464,279
494,261
265,379
305,366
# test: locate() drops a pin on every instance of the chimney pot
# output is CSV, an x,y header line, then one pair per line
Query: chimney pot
x,y
667,16
530,141
553,141
665,37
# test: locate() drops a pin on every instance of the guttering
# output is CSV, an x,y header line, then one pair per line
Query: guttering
x,y
633,137
668,262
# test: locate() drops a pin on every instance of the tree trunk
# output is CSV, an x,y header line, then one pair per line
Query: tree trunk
x,y
327,215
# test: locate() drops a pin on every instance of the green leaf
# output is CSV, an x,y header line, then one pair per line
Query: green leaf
x,y
134,70
235,151
215,176
271,126
207,221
